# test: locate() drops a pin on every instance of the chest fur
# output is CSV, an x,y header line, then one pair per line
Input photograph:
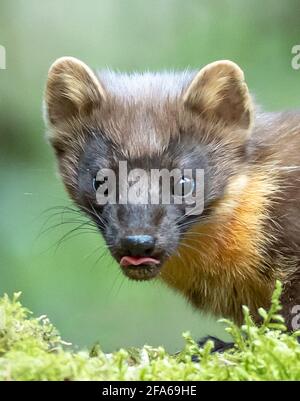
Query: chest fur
x,y
221,263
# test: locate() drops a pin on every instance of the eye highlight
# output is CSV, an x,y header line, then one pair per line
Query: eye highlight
x,y
183,187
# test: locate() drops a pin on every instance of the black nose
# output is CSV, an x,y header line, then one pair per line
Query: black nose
x,y
138,245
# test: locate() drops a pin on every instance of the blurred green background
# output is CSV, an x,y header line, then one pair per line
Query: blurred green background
x,y
87,300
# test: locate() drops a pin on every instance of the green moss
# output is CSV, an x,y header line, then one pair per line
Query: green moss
x,y
31,349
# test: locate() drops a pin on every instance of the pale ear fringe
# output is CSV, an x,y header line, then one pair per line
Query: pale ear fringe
x,y
209,67
69,78
74,61
210,95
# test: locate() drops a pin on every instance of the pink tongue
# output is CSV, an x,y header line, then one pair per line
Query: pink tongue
x,y
134,261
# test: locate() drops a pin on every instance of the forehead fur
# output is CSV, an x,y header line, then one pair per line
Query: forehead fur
x,y
147,85
142,110
139,113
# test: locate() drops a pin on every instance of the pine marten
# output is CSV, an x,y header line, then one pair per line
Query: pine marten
x,y
248,234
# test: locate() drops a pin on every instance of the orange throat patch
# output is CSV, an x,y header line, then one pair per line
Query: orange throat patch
x,y
221,264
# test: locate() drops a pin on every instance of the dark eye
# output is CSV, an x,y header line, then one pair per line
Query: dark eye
x,y
184,186
97,184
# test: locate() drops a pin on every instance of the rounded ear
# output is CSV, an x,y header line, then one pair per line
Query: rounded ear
x,y
220,95
72,89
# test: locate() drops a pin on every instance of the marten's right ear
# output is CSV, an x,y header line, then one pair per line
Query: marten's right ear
x,y
72,90
219,94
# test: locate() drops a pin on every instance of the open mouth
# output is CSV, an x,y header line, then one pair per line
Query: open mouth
x,y
138,261
140,268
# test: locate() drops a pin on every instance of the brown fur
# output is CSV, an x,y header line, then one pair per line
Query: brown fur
x,y
223,254
251,236
213,84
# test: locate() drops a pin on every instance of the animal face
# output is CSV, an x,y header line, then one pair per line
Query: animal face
x,y
149,124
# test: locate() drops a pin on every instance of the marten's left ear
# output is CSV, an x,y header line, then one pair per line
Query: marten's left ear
x,y
72,90
220,95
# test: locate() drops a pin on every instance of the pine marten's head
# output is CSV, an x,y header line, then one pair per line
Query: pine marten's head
x,y
186,121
